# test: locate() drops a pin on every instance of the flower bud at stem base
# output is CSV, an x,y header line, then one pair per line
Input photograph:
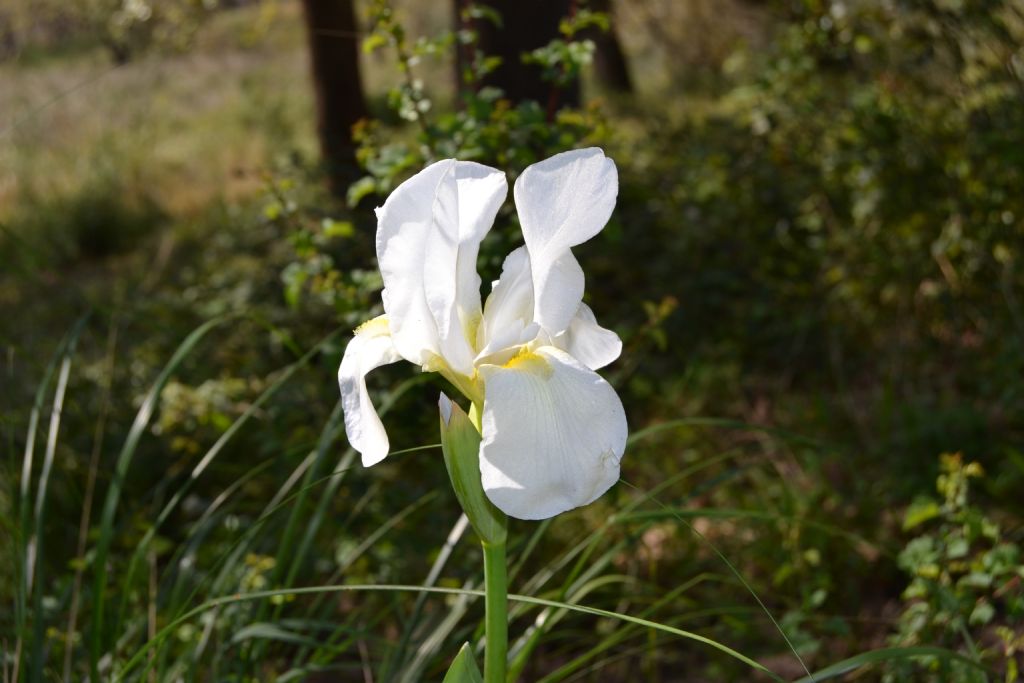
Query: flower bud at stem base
x,y
460,441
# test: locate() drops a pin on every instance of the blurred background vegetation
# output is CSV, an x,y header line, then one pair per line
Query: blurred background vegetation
x,y
814,265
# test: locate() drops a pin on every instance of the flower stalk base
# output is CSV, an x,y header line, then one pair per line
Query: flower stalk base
x,y
496,617
460,442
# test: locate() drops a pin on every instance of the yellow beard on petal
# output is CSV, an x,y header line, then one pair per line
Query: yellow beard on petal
x,y
531,362
375,327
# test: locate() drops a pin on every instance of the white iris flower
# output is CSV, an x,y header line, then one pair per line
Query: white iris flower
x,y
553,431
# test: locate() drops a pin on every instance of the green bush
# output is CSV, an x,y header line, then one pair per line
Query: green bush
x,y
965,589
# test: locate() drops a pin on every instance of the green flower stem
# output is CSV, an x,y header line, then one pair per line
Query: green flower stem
x,y
460,442
496,617
496,600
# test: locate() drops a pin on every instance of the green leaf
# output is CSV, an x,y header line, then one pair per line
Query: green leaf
x,y
957,548
982,613
373,42
919,512
480,11
979,580
464,668
294,278
363,187
333,228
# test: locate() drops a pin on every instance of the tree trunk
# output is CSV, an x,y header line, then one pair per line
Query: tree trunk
x,y
526,25
334,56
609,60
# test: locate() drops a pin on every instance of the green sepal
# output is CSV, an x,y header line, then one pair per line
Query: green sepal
x,y
463,668
460,441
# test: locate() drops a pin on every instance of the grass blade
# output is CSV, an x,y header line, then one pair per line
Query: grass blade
x,y
736,572
106,529
28,459
90,488
209,457
409,674
887,654
325,590
678,513
35,544
25,561
726,424
626,631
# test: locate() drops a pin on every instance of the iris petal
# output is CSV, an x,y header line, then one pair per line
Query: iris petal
x,y
553,434
428,235
562,202
370,348
509,308
588,342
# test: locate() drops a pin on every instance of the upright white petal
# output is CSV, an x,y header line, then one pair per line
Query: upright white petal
x,y
588,342
467,201
553,434
403,229
563,201
509,308
370,348
428,235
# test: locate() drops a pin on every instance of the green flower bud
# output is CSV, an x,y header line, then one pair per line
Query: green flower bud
x,y
460,441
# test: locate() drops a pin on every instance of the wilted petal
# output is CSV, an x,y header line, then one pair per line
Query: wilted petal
x,y
370,348
563,201
588,342
553,434
428,236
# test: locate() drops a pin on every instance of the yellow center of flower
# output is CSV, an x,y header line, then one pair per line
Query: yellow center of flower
x,y
529,361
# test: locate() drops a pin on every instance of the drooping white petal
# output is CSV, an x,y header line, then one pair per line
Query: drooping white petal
x,y
370,348
553,434
563,201
428,235
588,342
